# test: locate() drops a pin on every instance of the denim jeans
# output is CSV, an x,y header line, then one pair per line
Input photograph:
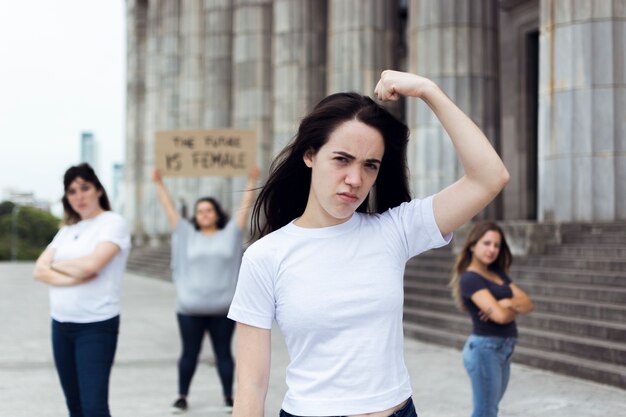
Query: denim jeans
x,y
83,355
192,330
407,410
488,362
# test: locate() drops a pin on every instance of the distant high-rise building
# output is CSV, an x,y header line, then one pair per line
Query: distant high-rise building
x,y
117,193
89,150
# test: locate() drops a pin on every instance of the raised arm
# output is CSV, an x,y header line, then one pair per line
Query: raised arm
x,y
43,272
87,266
247,200
253,370
165,199
485,174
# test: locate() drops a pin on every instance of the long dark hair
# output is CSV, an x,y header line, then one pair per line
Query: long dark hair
x,y
222,216
463,260
284,196
86,172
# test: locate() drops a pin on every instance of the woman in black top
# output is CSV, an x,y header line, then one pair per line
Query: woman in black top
x,y
481,286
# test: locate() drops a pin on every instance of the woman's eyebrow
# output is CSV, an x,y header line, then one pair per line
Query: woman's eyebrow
x,y
352,157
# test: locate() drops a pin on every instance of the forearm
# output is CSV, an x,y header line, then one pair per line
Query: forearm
x,y
80,268
521,302
168,204
246,203
47,275
522,305
500,315
250,402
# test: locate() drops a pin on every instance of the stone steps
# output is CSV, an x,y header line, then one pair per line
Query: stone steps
x,y
549,360
601,264
576,291
459,322
439,269
152,262
580,250
589,348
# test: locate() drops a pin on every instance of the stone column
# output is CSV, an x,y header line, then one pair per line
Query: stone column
x,y
299,64
362,42
217,87
136,41
191,56
454,44
582,108
162,104
252,101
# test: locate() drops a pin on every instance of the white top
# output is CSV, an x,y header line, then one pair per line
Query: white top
x,y
97,299
337,296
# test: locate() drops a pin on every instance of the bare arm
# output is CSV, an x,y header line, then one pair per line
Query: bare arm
x,y
492,309
253,370
521,302
485,174
44,273
247,199
88,266
165,199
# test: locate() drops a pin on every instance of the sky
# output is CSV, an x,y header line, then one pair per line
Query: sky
x,y
62,72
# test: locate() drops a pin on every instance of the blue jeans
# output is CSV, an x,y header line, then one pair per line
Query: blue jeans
x,y
192,330
488,362
83,355
407,410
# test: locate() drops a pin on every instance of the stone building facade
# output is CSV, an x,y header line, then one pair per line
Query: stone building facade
x,y
544,79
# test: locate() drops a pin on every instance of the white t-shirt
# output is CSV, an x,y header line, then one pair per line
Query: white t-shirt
x,y
97,299
337,296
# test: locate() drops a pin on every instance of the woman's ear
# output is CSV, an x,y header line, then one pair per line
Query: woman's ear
x,y
308,158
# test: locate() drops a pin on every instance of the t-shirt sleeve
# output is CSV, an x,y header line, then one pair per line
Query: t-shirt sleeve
x,y
254,303
470,283
58,238
116,230
182,229
233,229
415,221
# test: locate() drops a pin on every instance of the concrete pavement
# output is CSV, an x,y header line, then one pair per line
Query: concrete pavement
x,y
143,381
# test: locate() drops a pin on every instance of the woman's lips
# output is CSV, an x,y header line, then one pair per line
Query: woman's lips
x,y
348,197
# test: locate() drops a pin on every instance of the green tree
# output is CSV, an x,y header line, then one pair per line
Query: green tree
x,y
35,229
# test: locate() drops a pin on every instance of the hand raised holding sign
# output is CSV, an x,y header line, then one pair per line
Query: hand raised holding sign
x,y
166,200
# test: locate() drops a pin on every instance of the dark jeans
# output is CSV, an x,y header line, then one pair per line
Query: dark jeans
x,y
407,410
83,355
192,330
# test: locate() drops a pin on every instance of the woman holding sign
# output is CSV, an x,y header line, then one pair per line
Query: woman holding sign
x,y
330,266
206,254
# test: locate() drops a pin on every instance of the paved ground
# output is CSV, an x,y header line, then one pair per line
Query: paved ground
x,y
144,376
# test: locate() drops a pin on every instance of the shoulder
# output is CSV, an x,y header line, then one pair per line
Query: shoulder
x,y
470,277
267,249
112,218
414,205
232,227
183,226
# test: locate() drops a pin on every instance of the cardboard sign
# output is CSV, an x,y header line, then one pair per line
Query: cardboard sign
x,y
194,153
